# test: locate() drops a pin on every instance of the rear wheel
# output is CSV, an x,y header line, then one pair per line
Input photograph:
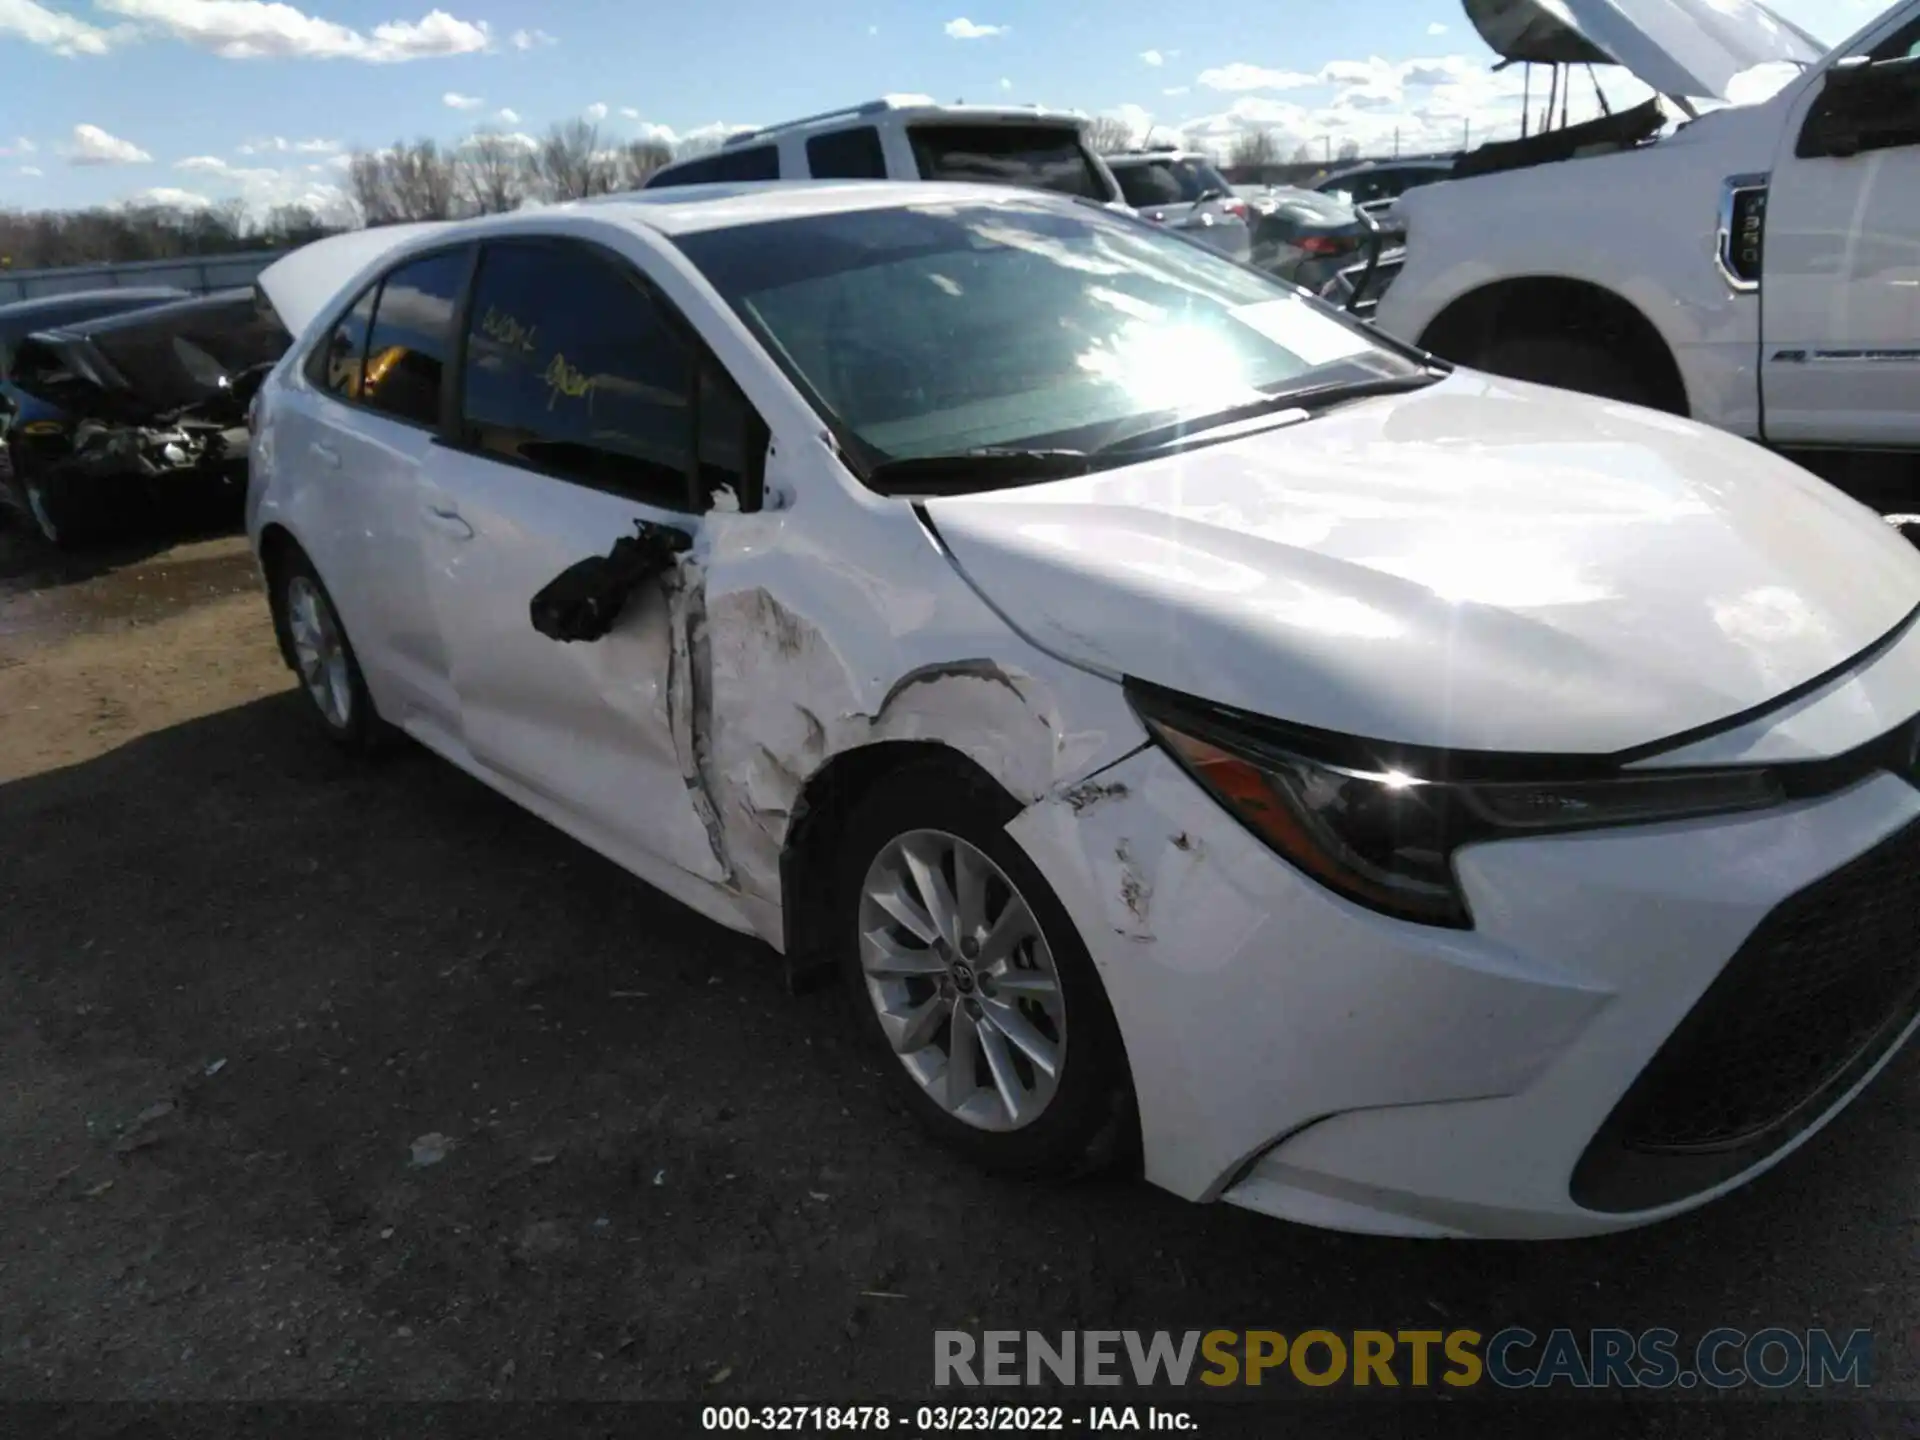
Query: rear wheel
x,y
1567,364
971,983
316,645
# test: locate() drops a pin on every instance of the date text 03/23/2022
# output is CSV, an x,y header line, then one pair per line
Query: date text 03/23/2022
x,y
946,1419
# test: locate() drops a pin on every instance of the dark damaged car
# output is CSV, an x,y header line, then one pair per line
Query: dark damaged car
x,y
137,414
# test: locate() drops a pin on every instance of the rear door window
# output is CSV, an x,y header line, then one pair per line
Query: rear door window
x,y
412,337
1039,157
847,155
336,364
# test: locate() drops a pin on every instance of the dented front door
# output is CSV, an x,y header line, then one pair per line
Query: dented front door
x,y
588,727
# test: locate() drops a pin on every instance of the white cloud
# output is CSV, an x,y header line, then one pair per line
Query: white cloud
x,y
93,146
21,146
532,39
506,116
512,140
1153,57
873,29
595,112
1175,90
280,145
1242,76
33,170
1005,83
170,197
62,34
1436,28
203,162
1419,105
965,29
454,100
258,29
316,147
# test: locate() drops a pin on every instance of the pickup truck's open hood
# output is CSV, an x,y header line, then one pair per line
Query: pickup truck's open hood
x,y
1481,565
1689,48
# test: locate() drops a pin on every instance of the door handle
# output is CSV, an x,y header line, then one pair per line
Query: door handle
x,y
446,518
325,454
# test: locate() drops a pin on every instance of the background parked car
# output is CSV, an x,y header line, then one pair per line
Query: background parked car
x,y
1182,190
1375,184
1301,235
23,317
148,404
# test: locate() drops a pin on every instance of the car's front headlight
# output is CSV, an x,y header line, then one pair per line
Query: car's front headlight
x,y
1384,834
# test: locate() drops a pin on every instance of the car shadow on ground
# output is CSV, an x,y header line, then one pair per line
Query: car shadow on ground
x,y
322,1077
29,563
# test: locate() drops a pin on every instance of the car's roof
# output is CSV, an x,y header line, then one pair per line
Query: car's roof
x,y
1148,157
685,209
131,294
1369,167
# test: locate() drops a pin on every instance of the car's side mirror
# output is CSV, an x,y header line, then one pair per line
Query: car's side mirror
x,y
1864,105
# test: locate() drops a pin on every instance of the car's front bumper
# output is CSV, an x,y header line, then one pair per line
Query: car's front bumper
x,y
1302,1056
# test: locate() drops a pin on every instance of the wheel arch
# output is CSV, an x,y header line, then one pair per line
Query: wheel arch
x,y
1562,307
275,547
826,800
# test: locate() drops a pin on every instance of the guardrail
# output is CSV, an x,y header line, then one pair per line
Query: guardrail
x,y
199,273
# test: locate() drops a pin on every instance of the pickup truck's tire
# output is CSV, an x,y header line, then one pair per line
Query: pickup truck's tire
x,y
1567,364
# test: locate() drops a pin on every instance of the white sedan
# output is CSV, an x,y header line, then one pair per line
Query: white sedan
x,y
1389,797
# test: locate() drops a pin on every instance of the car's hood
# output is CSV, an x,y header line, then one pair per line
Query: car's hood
x,y
1691,48
138,366
300,285
1481,565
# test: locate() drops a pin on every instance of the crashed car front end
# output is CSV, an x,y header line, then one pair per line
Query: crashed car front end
x,y
137,410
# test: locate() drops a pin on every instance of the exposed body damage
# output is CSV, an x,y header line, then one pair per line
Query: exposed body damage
x,y
759,700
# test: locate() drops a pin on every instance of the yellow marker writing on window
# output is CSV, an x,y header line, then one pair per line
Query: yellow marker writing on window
x,y
564,379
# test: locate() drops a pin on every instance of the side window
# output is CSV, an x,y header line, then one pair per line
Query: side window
x,y
573,368
1902,45
336,364
412,338
755,162
847,155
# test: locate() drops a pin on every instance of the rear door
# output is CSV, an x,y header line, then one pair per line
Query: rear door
x,y
360,432
575,423
1840,287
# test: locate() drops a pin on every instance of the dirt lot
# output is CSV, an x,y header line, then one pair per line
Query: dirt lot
x,y
662,1177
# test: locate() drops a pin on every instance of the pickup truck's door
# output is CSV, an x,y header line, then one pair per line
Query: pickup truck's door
x,y
1840,294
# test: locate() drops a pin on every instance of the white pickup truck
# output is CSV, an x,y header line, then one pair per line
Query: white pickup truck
x,y
1756,268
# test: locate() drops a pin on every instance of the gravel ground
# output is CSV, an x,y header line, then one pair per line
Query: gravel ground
x,y
330,1081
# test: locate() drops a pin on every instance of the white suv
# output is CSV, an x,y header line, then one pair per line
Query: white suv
x,y
911,138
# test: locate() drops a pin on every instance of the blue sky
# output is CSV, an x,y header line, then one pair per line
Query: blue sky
x,y
106,100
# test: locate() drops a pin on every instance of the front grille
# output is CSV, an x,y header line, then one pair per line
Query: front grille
x,y
1824,985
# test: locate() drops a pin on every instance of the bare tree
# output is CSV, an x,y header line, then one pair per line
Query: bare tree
x,y
495,173
1303,154
695,145
1108,134
638,159
1349,149
47,239
569,163
1255,147
416,181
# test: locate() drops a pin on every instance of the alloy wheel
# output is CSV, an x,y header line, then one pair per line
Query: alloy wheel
x,y
962,980
319,651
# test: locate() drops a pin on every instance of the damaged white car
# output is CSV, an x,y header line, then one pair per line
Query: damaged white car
x,y
1394,798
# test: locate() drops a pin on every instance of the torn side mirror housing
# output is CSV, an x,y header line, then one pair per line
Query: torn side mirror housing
x,y
585,601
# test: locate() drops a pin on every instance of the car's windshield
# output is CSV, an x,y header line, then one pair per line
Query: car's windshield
x,y
938,328
1167,182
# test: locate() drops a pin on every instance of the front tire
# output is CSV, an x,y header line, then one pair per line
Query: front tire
x,y
971,984
56,515
316,645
